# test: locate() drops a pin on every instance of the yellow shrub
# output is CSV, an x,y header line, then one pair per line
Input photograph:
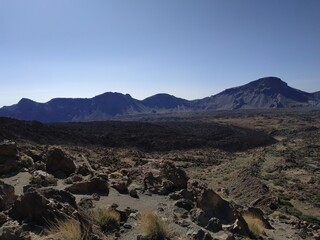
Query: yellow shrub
x,y
67,230
154,227
107,219
255,224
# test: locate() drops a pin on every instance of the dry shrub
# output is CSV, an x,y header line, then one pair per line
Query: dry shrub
x,y
255,224
153,226
67,230
107,219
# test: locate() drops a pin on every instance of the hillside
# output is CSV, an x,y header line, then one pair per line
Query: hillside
x,y
269,92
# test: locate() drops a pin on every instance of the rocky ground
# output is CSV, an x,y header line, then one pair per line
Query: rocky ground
x,y
265,192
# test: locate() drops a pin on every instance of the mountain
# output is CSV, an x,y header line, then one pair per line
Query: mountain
x,y
166,101
75,109
268,92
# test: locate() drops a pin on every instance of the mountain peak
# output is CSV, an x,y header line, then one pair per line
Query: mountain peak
x,y
273,82
25,100
164,100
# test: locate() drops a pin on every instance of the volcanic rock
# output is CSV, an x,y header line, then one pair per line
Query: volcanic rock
x,y
8,157
8,149
41,206
90,186
7,196
11,230
58,161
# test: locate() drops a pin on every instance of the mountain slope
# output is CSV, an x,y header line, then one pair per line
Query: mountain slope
x,y
165,101
74,109
269,92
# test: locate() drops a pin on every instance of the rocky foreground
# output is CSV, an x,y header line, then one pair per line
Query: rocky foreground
x,y
44,186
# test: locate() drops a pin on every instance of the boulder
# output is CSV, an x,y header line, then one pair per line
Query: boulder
x,y
183,193
214,206
120,181
8,149
133,193
90,186
184,203
120,185
8,157
214,225
59,162
199,217
166,180
211,204
180,213
175,175
84,170
3,218
42,206
7,196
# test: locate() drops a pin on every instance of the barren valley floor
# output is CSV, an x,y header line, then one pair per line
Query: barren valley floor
x,y
203,174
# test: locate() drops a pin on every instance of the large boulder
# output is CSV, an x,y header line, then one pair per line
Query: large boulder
x,y
8,149
173,174
119,181
214,206
7,196
8,157
42,206
93,185
164,178
58,162
211,204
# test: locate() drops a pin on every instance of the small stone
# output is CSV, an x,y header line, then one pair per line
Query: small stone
x,y
180,213
183,223
133,193
184,203
214,225
127,226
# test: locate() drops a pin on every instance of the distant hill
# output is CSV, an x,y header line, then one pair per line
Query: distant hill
x,y
269,92
166,101
101,107
316,97
264,93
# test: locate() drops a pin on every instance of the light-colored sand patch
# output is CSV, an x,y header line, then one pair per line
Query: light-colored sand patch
x,y
18,181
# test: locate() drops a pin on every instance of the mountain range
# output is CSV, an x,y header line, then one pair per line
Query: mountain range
x,y
264,93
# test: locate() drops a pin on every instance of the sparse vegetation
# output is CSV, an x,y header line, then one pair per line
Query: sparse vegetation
x,y
67,230
255,224
44,181
154,227
107,219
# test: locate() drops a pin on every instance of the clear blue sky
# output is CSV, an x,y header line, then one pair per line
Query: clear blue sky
x,y
191,49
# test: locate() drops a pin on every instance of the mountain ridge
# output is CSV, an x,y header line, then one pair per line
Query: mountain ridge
x,y
267,92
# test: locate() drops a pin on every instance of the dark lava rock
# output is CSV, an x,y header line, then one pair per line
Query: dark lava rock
x,y
7,196
90,186
58,161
